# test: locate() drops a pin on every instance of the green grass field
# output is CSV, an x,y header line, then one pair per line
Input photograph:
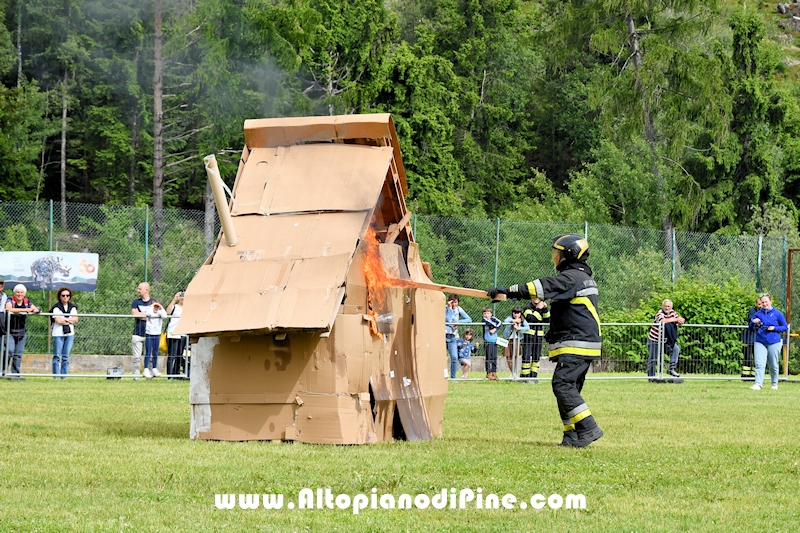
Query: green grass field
x,y
97,455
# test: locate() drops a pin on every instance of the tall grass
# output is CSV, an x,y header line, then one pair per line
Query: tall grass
x,y
95,455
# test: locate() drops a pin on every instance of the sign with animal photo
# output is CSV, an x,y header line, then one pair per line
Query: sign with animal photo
x,y
50,270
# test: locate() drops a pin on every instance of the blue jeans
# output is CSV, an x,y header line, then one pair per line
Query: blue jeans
x,y
151,350
652,357
61,349
764,354
15,349
452,349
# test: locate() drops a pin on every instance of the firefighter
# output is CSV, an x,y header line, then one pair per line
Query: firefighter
x,y
574,334
536,313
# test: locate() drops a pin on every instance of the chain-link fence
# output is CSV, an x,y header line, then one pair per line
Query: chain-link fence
x,y
705,351
134,244
627,262
167,248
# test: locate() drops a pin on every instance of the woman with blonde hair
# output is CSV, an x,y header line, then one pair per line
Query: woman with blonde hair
x,y
19,306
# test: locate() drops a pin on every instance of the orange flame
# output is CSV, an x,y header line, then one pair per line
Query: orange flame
x,y
378,280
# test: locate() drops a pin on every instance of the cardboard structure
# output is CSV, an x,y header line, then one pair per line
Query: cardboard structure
x,y
297,335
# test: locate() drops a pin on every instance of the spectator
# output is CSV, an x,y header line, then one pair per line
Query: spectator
x,y
465,349
176,344
770,323
153,330
670,319
3,300
516,326
748,342
536,313
146,332
490,326
65,315
453,315
19,306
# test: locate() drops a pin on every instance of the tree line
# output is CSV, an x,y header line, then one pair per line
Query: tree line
x,y
658,113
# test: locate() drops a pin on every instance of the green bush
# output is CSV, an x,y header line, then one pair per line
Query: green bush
x,y
699,302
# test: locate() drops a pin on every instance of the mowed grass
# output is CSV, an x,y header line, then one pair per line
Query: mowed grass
x,y
98,455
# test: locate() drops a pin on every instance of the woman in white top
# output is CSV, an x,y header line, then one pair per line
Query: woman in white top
x,y
65,315
176,344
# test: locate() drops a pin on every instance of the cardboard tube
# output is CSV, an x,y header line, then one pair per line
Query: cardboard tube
x,y
219,198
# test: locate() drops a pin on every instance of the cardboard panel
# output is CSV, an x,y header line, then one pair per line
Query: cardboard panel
x,y
277,238
325,177
429,342
235,422
264,295
339,419
377,128
260,165
352,342
286,131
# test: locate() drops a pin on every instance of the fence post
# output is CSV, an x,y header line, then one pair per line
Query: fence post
x,y
673,255
785,259
586,229
758,264
51,225
146,236
496,250
50,292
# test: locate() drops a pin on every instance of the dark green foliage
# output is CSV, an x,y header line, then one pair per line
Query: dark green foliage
x,y
642,113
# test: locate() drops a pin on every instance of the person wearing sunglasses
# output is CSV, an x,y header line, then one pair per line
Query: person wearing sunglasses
x,y
65,315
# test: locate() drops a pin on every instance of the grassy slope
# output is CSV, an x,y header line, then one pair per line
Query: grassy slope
x,y
113,456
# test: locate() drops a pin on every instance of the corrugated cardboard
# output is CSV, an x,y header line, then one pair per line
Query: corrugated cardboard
x,y
290,342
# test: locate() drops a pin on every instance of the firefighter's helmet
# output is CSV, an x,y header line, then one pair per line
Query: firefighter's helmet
x,y
571,247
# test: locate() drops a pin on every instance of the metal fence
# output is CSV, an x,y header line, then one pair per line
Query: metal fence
x,y
166,248
707,351
627,262
134,244
101,342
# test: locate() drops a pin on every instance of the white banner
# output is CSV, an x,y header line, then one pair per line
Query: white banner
x,y
50,270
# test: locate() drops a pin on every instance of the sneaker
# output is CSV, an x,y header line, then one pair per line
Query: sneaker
x,y
587,438
136,376
156,373
147,373
756,387
774,387
673,374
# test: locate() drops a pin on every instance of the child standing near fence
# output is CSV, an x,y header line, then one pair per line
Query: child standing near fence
x,y
465,349
490,326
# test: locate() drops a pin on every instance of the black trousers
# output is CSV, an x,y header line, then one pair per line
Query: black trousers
x,y
568,378
490,349
532,348
175,349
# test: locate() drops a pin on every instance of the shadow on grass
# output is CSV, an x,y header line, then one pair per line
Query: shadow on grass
x,y
145,429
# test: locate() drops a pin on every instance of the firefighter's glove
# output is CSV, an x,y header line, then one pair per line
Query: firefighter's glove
x,y
494,291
